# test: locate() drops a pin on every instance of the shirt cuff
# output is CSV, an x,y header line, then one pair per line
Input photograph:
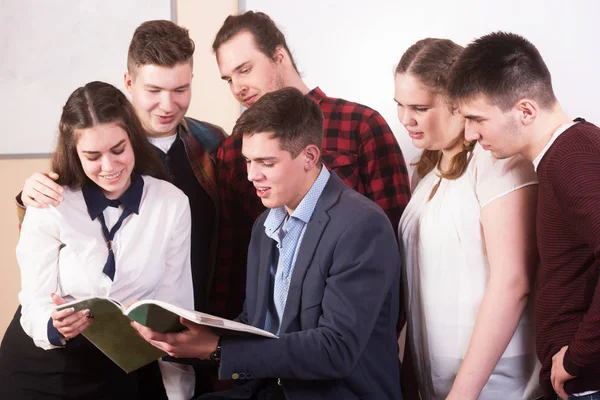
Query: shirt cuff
x,y
19,201
232,364
54,336
20,210
188,361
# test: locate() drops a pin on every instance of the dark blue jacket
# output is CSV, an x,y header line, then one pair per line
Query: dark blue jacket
x,y
338,334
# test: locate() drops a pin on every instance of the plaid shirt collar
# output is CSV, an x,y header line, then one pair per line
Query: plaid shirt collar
x,y
317,95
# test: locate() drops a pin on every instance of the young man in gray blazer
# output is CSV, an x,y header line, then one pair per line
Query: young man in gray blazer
x,y
323,274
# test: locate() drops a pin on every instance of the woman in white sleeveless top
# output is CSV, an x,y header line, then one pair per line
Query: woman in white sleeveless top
x,y
468,241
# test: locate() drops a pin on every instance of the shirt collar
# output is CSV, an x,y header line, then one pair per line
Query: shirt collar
x,y
559,131
164,144
305,209
96,202
317,95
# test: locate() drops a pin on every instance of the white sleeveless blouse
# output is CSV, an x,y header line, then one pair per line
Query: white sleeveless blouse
x,y
444,275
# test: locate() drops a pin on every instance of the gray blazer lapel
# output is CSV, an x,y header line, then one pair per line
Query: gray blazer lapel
x,y
264,271
312,237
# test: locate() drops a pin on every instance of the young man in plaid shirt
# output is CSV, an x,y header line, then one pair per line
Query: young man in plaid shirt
x,y
358,146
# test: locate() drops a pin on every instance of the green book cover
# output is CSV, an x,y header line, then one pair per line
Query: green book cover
x,y
156,318
113,334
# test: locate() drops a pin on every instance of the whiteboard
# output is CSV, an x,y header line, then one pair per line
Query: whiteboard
x,y
350,47
50,48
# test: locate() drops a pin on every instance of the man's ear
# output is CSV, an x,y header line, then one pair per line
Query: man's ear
x,y
527,111
128,81
313,156
280,55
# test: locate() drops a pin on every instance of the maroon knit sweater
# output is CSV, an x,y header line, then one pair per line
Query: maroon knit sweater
x,y
567,309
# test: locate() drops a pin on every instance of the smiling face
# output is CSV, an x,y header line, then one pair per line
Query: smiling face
x,y
426,115
160,95
496,130
279,179
106,157
249,72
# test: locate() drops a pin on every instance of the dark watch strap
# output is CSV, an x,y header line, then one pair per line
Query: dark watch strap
x,y
216,355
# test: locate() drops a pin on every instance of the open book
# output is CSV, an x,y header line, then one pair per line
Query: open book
x,y
113,334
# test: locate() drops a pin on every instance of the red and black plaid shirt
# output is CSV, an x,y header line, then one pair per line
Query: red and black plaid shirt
x,y
358,145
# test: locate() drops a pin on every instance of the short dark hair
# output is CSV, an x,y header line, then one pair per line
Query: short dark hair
x,y
267,35
288,115
94,104
161,43
504,67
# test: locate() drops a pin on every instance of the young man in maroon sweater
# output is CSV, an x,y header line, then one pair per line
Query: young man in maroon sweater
x,y
504,90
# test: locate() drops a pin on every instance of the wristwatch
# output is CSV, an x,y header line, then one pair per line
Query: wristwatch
x,y
216,355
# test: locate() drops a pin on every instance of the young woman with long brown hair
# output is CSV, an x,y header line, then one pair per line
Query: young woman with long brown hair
x,y
120,232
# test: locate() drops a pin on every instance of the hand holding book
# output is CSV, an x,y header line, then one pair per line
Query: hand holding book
x,y
68,322
113,334
196,341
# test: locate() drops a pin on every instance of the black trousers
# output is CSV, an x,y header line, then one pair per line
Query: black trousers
x,y
77,371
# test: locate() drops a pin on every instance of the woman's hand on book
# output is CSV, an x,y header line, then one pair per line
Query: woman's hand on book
x,y
68,323
197,341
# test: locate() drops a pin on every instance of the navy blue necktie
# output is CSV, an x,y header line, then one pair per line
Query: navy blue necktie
x,y
110,267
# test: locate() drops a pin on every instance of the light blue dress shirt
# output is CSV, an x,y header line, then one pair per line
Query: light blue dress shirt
x,y
287,232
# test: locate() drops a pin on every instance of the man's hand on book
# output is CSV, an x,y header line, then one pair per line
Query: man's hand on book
x,y
68,324
196,341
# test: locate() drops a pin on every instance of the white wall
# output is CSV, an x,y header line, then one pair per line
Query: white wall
x,y
49,49
350,47
211,101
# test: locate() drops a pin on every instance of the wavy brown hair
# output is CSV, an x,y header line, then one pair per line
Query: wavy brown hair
x,y
430,60
95,104
267,36
159,42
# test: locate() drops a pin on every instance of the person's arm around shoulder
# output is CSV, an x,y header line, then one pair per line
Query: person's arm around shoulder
x,y
508,222
576,185
40,191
